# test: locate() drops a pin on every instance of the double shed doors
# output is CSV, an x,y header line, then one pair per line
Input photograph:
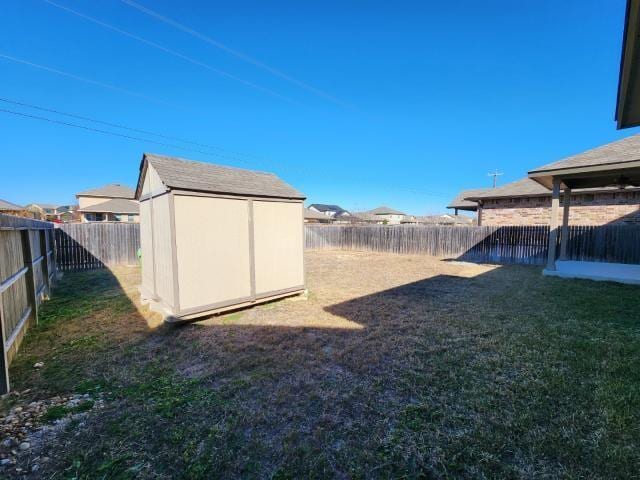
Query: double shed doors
x,y
232,250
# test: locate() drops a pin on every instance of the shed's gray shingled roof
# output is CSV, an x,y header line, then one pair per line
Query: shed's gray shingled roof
x,y
207,177
113,190
384,210
625,150
461,202
4,205
115,205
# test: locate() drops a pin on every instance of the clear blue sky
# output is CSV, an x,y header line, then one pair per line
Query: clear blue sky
x,y
357,103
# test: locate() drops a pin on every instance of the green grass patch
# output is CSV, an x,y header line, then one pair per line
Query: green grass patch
x,y
56,412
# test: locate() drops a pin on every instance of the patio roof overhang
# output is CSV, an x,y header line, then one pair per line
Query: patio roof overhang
x,y
628,103
591,176
567,178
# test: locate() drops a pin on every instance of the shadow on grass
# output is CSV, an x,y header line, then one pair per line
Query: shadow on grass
x,y
499,375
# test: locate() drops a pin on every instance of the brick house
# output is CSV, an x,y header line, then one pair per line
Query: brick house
x,y
526,202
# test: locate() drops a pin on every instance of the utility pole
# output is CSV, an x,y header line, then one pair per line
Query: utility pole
x,y
495,176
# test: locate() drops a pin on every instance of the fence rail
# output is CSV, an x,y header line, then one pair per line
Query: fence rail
x,y
84,246
27,272
514,244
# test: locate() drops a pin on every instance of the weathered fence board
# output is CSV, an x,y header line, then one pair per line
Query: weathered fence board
x,y
27,268
513,244
99,245
84,246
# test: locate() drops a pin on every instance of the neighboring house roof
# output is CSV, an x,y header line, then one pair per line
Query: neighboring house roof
x,y
49,206
383,210
206,177
4,205
113,190
115,205
620,151
616,163
525,187
313,215
461,203
321,207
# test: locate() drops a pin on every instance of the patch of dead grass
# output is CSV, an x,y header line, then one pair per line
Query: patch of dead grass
x,y
395,365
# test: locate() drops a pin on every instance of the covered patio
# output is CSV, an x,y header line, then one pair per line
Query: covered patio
x,y
615,165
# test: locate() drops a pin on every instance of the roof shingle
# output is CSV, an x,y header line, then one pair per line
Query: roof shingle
x,y
115,205
384,210
524,187
620,151
4,205
206,177
460,200
113,190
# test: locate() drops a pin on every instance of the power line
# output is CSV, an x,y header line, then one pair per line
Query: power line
x,y
171,52
121,135
164,144
87,80
233,52
124,127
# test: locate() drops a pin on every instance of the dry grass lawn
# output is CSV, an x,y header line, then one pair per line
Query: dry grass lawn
x,y
394,366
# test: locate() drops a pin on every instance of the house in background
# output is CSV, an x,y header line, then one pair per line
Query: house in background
x,y
53,213
460,202
527,202
9,208
331,211
312,216
110,203
42,211
387,215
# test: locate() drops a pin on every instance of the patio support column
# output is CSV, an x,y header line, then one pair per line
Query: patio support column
x,y
480,213
564,240
553,224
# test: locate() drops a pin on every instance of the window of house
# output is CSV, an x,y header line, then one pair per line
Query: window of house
x,y
131,218
118,217
99,217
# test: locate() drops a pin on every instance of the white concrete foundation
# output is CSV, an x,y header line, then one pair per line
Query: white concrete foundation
x,y
600,271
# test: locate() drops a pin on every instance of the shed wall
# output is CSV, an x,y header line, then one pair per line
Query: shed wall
x,y
146,245
162,249
278,239
212,241
155,184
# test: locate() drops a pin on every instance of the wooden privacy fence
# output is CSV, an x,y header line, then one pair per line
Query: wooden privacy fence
x,y
477,244
513,244
609,243
27,272
98,245
82,246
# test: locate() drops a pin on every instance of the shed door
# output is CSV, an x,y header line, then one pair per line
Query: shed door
x,y
278,246
212,244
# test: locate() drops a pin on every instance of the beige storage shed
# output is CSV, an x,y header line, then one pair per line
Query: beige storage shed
x,y
216,238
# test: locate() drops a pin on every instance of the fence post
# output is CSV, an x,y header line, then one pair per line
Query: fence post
x,y
4,361
27,254
45,261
